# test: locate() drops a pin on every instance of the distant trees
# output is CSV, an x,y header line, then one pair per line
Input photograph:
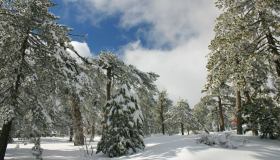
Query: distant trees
x,y
181,115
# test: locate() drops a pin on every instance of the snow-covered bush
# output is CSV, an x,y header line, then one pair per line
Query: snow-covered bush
x,y
207,139
123,132
221,139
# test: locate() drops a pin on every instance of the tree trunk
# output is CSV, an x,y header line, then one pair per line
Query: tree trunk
x,y
162,128
218,122
108,97
238,112
222,121
6,129
109,84
92,132
182,128
77,121
162,119
71,132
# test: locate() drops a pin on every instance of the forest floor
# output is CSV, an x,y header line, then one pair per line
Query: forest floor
x,y
158,147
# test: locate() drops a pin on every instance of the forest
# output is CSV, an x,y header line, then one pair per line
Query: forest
x,y
50,90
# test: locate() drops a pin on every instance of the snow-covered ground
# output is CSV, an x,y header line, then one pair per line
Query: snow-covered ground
x,y
159,147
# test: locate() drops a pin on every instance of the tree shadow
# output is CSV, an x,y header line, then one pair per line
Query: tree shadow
x,y
158,148
25,154
163,147
264,149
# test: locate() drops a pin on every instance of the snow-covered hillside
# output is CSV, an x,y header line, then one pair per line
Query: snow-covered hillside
x,y
159,147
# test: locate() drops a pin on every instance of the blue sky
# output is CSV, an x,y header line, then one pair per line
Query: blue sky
x,y
106,35
168,37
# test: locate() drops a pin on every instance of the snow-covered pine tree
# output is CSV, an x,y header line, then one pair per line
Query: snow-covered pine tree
x,y
244,48
146,91
219,100
123,133
262,114
259,22
163,104
83,91
201,113
117,71
33,59
148,106
93,98
181,115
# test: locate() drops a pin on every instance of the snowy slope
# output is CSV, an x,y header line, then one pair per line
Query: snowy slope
x,y
160,147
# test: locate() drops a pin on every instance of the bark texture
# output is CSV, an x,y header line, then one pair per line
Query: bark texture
x,y
77,121
221,114
238,112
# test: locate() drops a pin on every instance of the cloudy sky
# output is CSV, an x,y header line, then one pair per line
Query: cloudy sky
x,y
168,37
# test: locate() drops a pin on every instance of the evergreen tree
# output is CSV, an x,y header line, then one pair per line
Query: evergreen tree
x,y
123,133
163,104
147,102
244,47
117,71
181,115
33,59
200,113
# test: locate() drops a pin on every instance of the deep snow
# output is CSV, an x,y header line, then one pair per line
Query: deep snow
x,y
159,147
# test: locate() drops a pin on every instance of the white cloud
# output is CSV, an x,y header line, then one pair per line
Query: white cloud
x,y
182,70
185,25
171,22
82,49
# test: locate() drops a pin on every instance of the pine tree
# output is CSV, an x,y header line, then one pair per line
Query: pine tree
x,y
244,47
181,115
123,133
200,113
163,103
33,59
117,71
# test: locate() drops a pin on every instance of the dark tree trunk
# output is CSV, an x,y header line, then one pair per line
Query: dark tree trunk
x,y
182,128
108,96
217,114
162,128
92,132
162,119
71,134
77,121
238,112
6,129
109,84
222,121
